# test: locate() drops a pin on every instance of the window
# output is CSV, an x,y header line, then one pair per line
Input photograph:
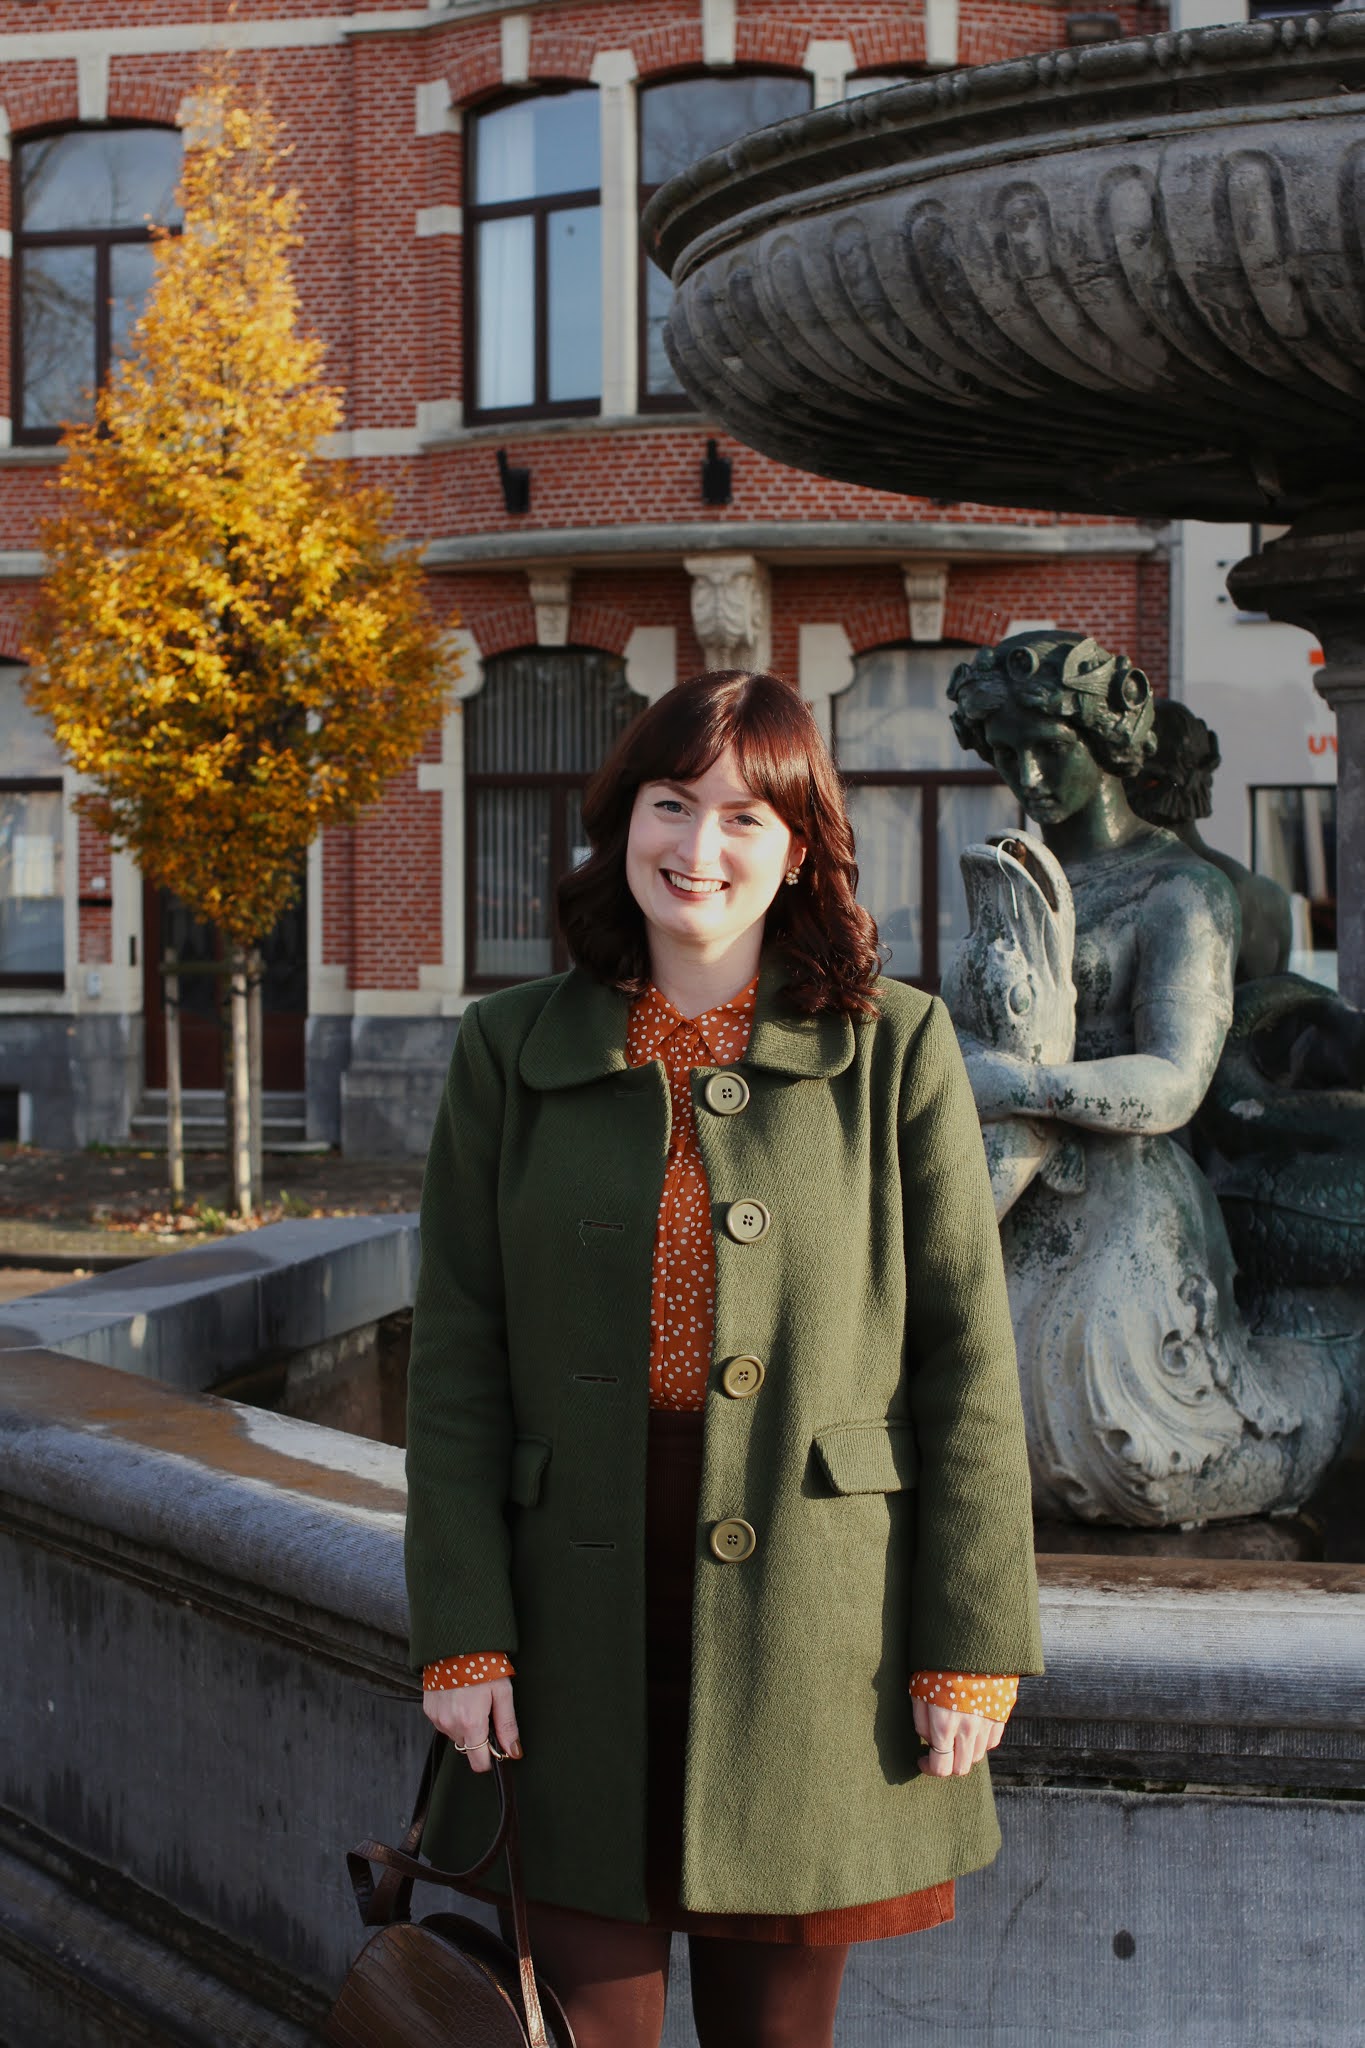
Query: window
x,y
1294,841
535,237
83,261
31,845
544,720
680,120
914,802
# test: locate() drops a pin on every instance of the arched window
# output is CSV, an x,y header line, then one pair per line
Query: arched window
x,y
916,800
535,254
680,120
83,260
544,720
32,893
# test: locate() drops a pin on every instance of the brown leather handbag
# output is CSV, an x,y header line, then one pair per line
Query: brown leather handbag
x,y
446,1981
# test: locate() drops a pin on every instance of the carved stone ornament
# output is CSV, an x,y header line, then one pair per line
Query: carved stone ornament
x,y
550,598
926,594
731,610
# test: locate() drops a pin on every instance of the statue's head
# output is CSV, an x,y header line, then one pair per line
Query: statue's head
x,y
1065,677
1175,783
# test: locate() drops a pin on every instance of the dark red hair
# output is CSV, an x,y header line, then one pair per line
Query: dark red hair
x,y
825,938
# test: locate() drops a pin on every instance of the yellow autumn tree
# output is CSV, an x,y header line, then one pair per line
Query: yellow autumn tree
x,y
229,644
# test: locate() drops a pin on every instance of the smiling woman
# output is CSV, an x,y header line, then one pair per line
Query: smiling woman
x,y
708,1247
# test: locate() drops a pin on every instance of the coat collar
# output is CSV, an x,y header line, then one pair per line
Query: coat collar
x,y
580,1035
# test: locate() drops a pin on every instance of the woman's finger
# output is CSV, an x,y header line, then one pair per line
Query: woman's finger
x,y
505,1719
939,1732
964,1746
997,1729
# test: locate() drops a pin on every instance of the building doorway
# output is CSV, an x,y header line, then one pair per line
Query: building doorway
x,y
166,922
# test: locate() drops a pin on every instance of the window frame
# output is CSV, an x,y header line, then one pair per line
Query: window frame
x,y
560,783
475,214
102,240
678,401
928,781
36,785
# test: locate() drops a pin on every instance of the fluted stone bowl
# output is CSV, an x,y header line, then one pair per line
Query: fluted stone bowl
x,y
1128,278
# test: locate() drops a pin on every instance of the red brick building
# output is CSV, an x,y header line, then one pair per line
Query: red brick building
x,y
474,174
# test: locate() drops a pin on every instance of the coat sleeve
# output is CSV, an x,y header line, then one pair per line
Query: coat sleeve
x,y
974,1592
460,1426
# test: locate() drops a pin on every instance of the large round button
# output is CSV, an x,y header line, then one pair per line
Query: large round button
x,y
726,1094
746,1222
743,1377
733,1540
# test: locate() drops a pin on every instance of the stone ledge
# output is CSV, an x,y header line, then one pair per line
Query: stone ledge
x,y
190,1317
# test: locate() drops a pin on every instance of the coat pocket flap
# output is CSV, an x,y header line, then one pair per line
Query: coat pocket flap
x,y
530,1456
868,1457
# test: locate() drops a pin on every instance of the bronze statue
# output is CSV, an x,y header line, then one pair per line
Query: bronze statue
x,y
1148,1399
1173,787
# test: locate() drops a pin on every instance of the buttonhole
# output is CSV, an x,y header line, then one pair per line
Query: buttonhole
x,y
587,1223
575,1544
597,1379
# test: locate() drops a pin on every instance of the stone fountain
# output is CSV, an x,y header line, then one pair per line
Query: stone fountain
x,y
1128,278
1125,279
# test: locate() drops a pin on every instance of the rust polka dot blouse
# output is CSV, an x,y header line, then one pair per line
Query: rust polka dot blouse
x,y
682,1313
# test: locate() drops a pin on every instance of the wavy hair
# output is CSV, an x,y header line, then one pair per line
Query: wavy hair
x,y
822,934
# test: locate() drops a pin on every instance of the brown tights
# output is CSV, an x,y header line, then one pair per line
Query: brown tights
x,y
612,1978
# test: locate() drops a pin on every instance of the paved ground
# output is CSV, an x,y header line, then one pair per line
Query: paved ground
x,y
102,1205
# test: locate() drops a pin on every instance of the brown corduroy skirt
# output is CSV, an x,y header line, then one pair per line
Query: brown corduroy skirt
x,y
674,1476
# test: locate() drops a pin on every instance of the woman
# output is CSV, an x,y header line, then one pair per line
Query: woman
x,y
714,1420
1148,1400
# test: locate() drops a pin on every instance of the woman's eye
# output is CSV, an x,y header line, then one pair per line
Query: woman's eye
x,y
669,804
747,818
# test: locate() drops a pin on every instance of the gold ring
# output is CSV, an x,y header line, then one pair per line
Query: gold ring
x,y
468,1748
502,1755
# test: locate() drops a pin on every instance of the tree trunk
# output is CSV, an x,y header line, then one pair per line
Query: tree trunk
x,y
255,1027
175,1107
239,1136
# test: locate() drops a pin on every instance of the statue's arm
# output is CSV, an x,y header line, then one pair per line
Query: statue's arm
x,y
1182,1004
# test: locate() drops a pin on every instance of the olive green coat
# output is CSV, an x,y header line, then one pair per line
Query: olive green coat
x,y
881,1463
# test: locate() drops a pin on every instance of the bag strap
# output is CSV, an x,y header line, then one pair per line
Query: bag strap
x,y
391,1899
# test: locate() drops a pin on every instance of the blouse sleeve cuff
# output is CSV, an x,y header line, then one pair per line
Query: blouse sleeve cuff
x,y
480,1667
967,1692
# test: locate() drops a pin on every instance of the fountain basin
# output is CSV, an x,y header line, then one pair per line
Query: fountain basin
x,y
1127,278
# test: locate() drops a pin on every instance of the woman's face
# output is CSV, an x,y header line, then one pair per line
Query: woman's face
x,y
705,858
1045,762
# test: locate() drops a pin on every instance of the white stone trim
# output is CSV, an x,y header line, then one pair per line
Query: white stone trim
x,y
551,600
515,34
718,31
92,85
614,73
438,419
375,442
652,661
433,110
21,564
829,64
940,33
6,430
394,1002
6,245
926,597
439,220
6,147
175,38
824,670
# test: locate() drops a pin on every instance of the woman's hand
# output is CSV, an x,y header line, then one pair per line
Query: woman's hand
x,y
956,1741
462,1712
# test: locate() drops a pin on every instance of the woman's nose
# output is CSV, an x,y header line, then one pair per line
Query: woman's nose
x,y
701,841
1028,771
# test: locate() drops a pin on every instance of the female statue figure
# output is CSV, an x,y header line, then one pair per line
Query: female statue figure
x,y
1148,1400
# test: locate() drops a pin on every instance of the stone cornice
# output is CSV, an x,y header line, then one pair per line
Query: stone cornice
x,y
790,542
